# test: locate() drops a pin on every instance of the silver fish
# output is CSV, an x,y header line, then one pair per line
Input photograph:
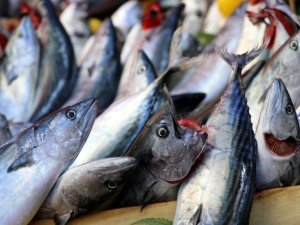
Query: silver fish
x,y
19,73
31,162
221,189
277,136
82,188
57,69
100,68
5,133
166,153
74,20
138,74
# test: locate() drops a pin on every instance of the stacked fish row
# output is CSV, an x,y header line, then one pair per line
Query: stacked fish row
x,y
142,112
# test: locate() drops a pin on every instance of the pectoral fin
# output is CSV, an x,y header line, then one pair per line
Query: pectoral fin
x,y
24,160
62,219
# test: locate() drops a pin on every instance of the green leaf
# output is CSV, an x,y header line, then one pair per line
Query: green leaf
x,y
205,38
153,221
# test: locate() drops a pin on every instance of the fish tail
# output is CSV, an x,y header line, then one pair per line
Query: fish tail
x,y
239,61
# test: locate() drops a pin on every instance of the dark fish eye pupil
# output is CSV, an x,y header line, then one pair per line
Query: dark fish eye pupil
x,y
112,185
162,132
153,13
71,114
289,109
294,45
142,69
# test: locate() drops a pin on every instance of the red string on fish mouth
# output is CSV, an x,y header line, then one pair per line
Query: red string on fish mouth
x,y
191,123
281,147
34,15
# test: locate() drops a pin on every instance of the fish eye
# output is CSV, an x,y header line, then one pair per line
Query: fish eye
x,y
20,35
142,69
71,114
112,185
294,45
162,132
289,109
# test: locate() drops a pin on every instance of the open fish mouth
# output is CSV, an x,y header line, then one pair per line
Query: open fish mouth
x,y
286,147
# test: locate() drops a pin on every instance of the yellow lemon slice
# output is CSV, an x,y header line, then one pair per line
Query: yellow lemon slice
x,y
94,24
227,7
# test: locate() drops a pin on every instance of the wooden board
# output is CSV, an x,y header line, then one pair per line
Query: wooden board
x,y
272,207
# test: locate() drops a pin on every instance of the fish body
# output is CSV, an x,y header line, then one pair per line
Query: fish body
x,y
5,133
166,153
100,68
74,20
277,137
221,189
31,162
57,69
19,73
82,188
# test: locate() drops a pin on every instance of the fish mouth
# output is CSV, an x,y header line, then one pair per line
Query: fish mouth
x,y
282,148
88,116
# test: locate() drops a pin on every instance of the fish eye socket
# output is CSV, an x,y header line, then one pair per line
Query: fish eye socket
x,y
294,45
289,109
71,114
162,132
20,35
142,69
112,185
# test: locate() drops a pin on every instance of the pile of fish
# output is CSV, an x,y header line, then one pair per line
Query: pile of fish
x,y
142,110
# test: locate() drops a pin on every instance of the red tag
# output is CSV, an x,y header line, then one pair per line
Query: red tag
x,y
35,18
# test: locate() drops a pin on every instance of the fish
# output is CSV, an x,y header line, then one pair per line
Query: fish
x,y
138,74
281,65
100,68
5,133
31,162
101,181
212,74
126,16
277,136
166,154
221,188
74,20
19,73
58,73
16,128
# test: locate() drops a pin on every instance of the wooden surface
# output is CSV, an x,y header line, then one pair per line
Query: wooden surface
x,y
272,207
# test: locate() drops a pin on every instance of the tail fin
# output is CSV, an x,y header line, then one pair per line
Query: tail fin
x,y
238,62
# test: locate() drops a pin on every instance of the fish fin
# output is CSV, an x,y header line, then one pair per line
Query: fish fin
x,y
196,218
24,160
239,61
62,219
193,100
250,74
147,198
175,50
263,97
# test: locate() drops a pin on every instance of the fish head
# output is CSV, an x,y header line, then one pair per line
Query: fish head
x,y
68,129
279,121
21,49
167,150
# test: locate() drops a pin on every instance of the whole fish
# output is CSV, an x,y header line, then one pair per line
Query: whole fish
x,y
221,189
166,153
74,20
19,73
57,70
31,162
5,133
212,75
138,74
100,68
82,188
277,136
283,64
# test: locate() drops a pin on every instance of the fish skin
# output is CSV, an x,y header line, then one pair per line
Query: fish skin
x,y
212,73
16,128
221,189
273,170
5,133
68,200
283,65
58,73
100,68
138,74
19,71
32,161
163,161
74,20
